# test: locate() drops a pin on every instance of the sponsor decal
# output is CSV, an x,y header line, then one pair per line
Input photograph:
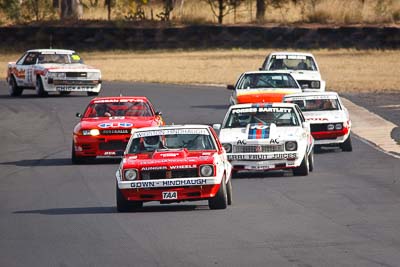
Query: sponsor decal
x,y
166,183
258,131
241,142
169,155
294,98
156,168
110,153
274,141
115,125
171,131
111,100
191,166
317,119
266,108
262,157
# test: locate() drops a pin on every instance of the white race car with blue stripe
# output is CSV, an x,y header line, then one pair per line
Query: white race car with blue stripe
x,y
267,136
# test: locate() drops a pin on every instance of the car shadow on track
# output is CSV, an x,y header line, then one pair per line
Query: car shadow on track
x,y
113,209
58,162
32,96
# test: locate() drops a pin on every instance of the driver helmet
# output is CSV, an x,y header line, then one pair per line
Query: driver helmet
x,y
244,119
151,142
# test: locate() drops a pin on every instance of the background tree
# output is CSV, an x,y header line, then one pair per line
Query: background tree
x,y
11,8
260,10
71,9
221,8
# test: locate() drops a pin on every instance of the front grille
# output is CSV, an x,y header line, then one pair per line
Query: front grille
x,y
76,74
321,127
258,148
113,145
168,174
115,131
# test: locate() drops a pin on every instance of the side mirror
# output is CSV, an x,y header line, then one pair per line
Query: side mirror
x,y
230,87
158,113
79,115
217,126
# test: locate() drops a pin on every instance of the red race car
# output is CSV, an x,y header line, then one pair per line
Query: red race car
x,y
106,125
173,164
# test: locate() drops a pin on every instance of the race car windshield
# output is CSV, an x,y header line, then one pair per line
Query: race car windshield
x,y
125,109
292,62
191,142
59,58
266,80
317,104
279,116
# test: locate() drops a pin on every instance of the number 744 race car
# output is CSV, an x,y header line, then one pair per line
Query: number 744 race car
x,y
174,164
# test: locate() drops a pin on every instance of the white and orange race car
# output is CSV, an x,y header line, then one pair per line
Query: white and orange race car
x,y
329,119
263,86
173,164
52,70
106,125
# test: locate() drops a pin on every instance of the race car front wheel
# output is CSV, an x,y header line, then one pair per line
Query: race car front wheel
x,y
92,93
229,191
303,169
124,205
14,90
220,201
39,88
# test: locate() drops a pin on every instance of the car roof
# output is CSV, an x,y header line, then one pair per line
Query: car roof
x,y
268,71
305,94
292,53
255,105
55,51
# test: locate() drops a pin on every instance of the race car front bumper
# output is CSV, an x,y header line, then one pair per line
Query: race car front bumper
x,y
171,190
330,137
264,161
100,146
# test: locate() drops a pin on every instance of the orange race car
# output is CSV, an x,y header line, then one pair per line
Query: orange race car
x,y
105,126
263,86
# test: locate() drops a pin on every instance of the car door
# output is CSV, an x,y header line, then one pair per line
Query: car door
x,y
24,69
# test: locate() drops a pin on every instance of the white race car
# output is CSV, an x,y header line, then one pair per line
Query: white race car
x,y
329,120
52,70
267,136
302,66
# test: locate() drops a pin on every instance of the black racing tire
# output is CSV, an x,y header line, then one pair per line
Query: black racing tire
x,y
39,88
64,93
346,146
92,93
303,169
220,201
229,191
13,88
124,205
311,161
75,159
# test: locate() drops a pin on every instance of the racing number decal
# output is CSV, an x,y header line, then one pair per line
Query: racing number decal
x,y
170,195
29,72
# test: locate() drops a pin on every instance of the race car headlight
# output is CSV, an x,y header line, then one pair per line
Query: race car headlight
x,y
291,146
130,174
92,132
330,127
207,170
338,126
315,84
227,147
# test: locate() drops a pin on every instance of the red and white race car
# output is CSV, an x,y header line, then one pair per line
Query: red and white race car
x,y
106,125
329,119
173,164
52,70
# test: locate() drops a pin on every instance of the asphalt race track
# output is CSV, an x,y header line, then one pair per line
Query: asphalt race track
x,y
53,213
